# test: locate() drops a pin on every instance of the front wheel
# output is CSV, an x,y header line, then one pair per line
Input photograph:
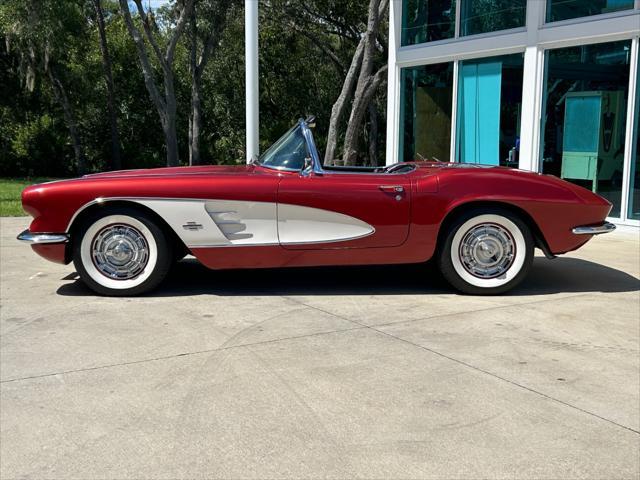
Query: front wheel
x,y
486,252
121,252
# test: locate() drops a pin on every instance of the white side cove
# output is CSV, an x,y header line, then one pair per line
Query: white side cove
x,y
312,225
220,223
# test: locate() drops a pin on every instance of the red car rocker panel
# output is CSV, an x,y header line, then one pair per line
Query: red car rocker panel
x,y
480,223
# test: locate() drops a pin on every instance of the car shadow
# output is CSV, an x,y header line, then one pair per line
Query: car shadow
x,y
189,277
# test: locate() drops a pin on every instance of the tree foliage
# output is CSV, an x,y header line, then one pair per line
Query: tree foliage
x,y
54,112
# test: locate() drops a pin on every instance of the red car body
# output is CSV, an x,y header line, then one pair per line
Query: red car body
x,y
406,229
124,229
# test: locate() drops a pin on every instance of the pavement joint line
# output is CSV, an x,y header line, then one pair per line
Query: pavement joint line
x,y
481,370
451,314
512,382
177,355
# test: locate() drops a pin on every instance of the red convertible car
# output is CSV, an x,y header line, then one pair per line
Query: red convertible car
x,y
124,230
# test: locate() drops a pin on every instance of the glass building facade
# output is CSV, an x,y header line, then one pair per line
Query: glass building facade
x,y
543,85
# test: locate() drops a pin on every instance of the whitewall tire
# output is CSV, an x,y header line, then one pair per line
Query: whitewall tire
x,y
486,252
121,252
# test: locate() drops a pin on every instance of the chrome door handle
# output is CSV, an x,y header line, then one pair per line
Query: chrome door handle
x,y
391,188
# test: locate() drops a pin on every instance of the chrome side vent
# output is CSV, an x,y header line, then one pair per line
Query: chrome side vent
x,y
230,224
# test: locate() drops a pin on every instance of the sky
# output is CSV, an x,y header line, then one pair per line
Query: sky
x,y
153,4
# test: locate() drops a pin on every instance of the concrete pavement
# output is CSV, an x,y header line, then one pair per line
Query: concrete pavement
x,y
378,372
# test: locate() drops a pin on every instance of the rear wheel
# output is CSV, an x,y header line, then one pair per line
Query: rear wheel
x,y
486,252
121,252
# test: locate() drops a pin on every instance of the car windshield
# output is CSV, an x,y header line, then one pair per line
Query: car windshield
x,y
288,152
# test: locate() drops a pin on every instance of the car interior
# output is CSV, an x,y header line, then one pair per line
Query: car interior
x,y
295,151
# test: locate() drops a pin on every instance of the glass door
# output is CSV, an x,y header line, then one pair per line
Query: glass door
x,y
489,105
585,116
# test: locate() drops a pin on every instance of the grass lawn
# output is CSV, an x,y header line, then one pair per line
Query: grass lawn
x,y
10,190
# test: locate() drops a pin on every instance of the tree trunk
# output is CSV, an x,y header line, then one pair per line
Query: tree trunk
x,y
170,133
116,162
196,68
193,45
166,106
362,94
61,96
171,140
373,134
360,103
196,123
337,111
217,22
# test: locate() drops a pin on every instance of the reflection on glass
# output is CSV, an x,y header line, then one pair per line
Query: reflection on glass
x,y
489,107
565,9
586,91
482,16
288,152
634,189
427,20
425,119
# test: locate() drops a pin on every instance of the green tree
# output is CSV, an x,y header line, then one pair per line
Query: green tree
x,y
206,24
115,161
152,45
43,34
68,121
350,35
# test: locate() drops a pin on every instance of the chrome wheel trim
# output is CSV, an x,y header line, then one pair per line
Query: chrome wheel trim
x,y
507,270
91,237
487,250
120,252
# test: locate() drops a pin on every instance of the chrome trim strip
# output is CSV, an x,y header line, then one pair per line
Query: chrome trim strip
x,y
83,207
204,200
337,240
279,169
130,199
283,244
39,238
233,245
606,227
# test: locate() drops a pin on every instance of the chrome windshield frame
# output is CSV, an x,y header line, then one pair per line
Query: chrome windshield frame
x,y
312,151
316,164
272,167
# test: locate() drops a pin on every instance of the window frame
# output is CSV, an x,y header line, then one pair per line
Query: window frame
x,y
586,18
534,40
458,28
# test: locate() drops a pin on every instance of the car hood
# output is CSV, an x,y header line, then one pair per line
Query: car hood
x,y
175,171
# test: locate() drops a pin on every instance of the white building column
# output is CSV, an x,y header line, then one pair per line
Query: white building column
x,y
532,92
631,132
251,77
530,124
393,82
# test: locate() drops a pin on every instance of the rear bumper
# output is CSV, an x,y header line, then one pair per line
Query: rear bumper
x,y
605,227
42,238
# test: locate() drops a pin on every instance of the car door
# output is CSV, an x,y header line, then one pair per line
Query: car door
x,y
343,210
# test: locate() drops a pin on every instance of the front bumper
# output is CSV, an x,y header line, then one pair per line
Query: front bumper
x,y
606,227
41,238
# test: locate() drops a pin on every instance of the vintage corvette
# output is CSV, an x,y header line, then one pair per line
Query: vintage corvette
x,y
124,230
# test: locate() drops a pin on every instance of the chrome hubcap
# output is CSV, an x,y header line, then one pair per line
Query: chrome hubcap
x,y
120,252
487,251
